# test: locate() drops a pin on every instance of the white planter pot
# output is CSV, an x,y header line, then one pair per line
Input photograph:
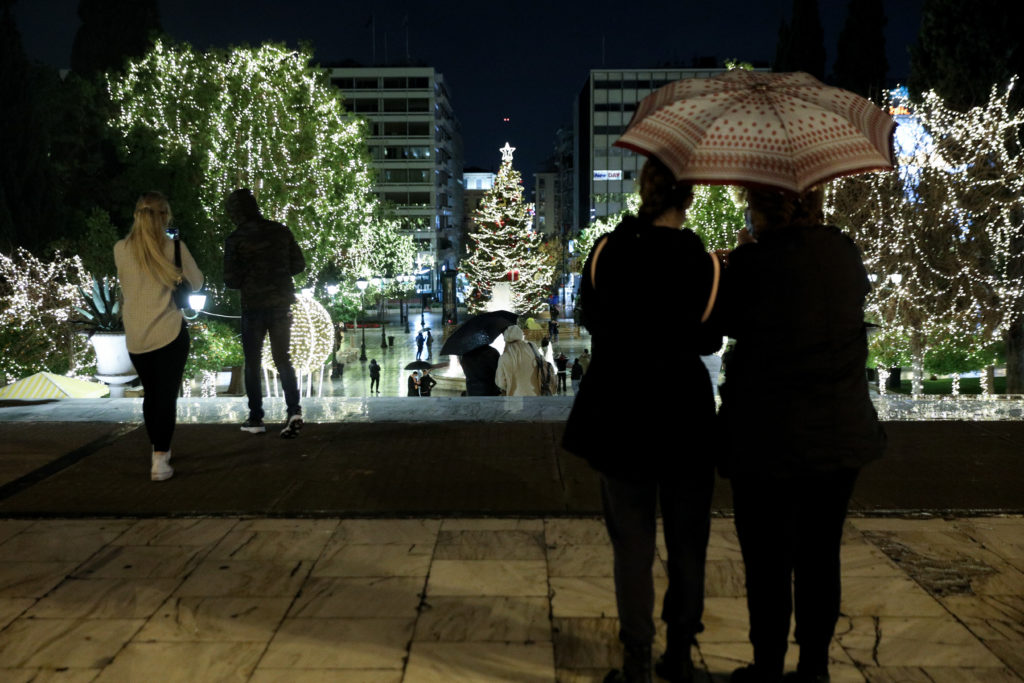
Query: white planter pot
x,y
111,354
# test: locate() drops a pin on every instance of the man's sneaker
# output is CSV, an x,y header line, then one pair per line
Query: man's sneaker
x,y
292,428
254,426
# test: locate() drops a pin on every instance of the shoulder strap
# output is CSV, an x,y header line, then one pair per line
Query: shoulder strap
x,y
714,286
593,261
177,253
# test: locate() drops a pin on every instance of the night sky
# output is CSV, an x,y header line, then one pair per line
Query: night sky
x,y
523,60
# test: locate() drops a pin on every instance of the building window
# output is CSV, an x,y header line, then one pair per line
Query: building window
x,y
419,82
366,84
392,83
419,104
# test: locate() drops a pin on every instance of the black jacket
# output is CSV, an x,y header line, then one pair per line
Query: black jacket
x,y
796,396
644,273
260,256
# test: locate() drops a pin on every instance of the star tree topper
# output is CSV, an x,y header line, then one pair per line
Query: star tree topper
x,y
506,152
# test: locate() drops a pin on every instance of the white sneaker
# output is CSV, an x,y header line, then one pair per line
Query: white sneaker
x,y
161,469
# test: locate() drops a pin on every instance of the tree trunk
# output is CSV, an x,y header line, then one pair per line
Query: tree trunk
x,y
917,383
893,383
1015,357
989,381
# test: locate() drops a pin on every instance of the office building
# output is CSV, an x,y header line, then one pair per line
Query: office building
x,y
416,148
604,174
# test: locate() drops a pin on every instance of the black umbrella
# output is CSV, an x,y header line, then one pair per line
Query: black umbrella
x,y
478,331
419,365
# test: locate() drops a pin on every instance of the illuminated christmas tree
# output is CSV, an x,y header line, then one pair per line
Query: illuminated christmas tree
x,y
505,247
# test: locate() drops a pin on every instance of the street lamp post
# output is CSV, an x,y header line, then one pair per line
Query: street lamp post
x,y
361,284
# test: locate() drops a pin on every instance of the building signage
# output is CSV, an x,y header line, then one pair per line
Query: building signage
x,y
607,175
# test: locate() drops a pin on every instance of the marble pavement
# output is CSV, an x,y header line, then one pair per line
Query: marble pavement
x,y
423,600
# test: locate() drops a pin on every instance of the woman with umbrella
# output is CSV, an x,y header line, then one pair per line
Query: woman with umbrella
x,y
655,449
796,421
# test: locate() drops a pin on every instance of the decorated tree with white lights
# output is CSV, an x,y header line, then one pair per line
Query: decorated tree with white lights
x,y
37,304
260,118
941,237
505,247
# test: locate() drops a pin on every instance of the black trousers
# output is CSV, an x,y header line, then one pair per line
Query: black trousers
x,y
790,529
161,371
630,512
375,384
256,325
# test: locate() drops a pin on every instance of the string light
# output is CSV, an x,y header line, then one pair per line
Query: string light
x,y
312,339
261,118
950,223
505,246
37,299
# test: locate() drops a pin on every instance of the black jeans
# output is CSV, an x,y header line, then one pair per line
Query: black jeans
x,y
256,324
790,529
161,371
630,513
375,384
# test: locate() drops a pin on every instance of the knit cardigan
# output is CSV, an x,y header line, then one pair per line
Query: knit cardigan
x,y
151,320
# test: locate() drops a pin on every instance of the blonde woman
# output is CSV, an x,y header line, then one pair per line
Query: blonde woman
x,y
157,337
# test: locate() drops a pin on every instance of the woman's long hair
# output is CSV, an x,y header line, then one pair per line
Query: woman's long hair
x,y
659,190
148,235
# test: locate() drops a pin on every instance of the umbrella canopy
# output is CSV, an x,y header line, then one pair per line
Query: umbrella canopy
x,y
419,365
49,385
480,330
784,130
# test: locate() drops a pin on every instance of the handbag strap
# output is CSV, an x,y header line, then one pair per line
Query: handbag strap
x,y
177,253
714,286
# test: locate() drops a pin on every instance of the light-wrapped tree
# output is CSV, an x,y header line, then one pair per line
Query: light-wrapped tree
x,y
941,237
261,118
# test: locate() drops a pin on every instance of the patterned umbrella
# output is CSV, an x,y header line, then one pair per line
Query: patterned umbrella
x,y
785,130
49,385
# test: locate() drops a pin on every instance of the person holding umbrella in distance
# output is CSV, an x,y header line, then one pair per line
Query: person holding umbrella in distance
x,y
471,342
792,297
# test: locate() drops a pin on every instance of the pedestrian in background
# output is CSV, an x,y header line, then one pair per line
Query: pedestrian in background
x,y
419,344
657,450
562,364
374,376
794,302
518,373
480,367
585,360
155,331
260,258
427,383
430,345
576,374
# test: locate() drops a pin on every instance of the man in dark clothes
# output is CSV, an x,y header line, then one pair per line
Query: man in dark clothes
x,y
374,376
260,258
562,363
419,344
426,383
480,366
414,383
